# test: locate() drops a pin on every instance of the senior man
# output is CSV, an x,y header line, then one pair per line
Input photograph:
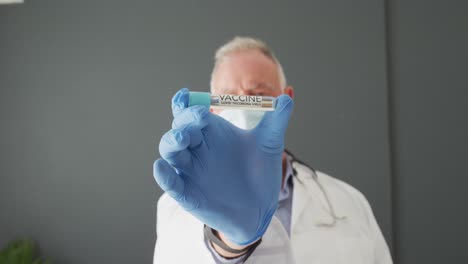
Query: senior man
x,y
233,194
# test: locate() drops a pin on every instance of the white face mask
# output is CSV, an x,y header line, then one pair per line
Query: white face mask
x,y
245,119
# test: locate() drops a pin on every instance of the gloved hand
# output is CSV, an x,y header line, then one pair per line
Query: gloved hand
x,y
227,177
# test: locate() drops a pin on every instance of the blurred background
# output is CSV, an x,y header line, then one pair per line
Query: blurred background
x,y
85,89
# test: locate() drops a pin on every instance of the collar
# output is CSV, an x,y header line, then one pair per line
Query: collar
x,y
311,192
285,192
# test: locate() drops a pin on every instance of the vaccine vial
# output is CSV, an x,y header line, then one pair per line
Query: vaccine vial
x,y
224,101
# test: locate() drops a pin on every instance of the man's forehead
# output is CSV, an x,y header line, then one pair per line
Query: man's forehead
x,y
250,86
248,65
247,56
260,85
246,70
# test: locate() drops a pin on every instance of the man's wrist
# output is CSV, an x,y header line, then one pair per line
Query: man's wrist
x,y
225,253
225,248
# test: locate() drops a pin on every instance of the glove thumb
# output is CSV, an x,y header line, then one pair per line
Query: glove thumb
x,y
273,126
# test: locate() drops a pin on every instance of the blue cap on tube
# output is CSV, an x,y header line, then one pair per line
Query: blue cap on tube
x,y
199,98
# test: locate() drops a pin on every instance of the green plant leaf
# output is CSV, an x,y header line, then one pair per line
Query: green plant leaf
x,y
21,252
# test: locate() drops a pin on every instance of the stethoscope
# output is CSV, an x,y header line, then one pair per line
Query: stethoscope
x,y
331,210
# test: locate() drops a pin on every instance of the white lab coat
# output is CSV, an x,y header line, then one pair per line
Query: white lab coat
x,y
356,239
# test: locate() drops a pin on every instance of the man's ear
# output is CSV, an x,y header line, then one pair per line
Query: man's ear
x,y
289,91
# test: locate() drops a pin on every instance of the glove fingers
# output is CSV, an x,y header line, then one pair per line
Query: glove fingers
x,y
180,101
194,117
196,137
173,148
274,124
192,120
168,179
176,186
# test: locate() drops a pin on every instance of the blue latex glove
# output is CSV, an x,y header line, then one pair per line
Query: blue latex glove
x,y
227,177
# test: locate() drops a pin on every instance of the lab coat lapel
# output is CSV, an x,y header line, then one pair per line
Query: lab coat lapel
x,y
299,201
307,196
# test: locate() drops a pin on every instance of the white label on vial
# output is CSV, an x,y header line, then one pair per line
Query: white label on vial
x,y
240,100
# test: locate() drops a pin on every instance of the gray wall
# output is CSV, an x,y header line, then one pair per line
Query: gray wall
x,y
85,90
428,62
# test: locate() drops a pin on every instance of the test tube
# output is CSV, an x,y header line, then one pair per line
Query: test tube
x,y
224,101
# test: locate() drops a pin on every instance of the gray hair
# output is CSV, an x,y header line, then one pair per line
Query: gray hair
x,y
247,44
